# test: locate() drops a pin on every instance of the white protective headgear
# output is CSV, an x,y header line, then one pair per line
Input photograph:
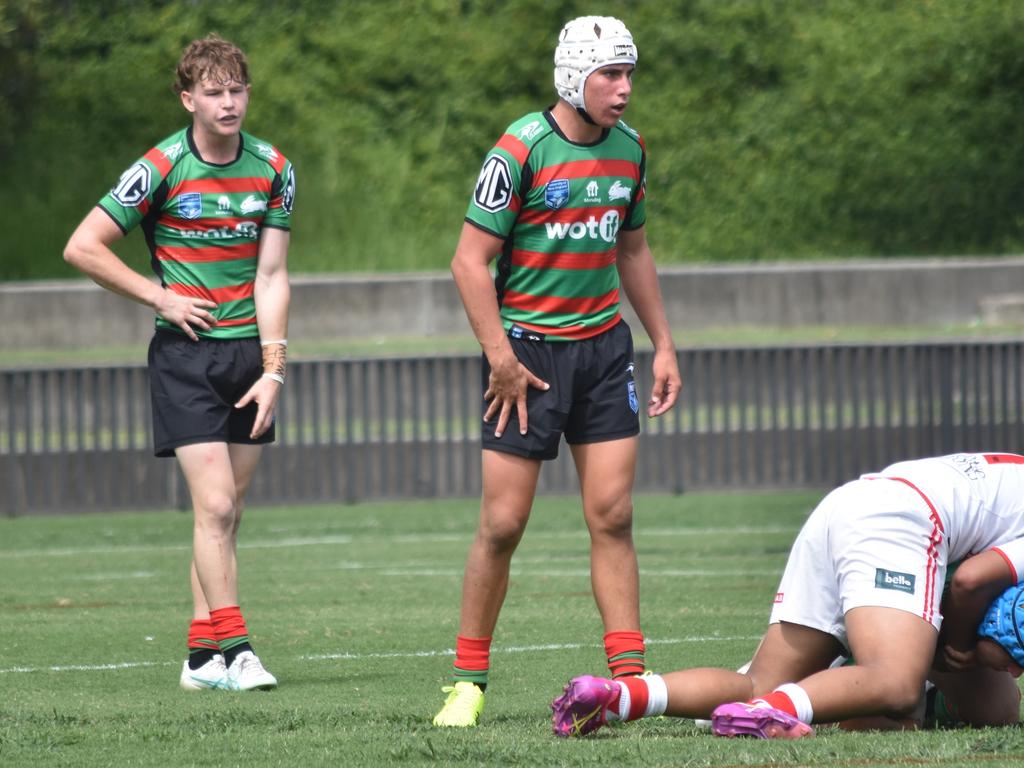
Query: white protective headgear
x,y
587,44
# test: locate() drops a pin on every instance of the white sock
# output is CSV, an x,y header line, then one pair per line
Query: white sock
x,y
657,695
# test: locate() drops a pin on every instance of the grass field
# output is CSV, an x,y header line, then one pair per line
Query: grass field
x,y
355,610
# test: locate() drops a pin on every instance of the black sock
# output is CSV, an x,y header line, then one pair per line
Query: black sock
x,y
231,653
199,656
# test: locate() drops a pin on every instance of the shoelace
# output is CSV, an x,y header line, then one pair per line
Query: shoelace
x,y
462,703
251,663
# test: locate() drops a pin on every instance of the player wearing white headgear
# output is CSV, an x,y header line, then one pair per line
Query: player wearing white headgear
x,y
560,203
585,45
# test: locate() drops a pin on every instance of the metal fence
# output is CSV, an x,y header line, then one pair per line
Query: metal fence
x,y
74,440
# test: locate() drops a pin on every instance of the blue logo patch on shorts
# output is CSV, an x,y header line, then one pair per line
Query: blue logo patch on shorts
x,y
904,582
634,403
190,205
556,194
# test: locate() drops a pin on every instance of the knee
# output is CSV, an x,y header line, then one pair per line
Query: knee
x,y
900,696
991,711
217,512
501,534
614,519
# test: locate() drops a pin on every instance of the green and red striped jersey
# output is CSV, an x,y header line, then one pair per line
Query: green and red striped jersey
x,y
202,221
559,207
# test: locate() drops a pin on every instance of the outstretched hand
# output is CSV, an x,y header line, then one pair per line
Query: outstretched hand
x,y
264,392
506,389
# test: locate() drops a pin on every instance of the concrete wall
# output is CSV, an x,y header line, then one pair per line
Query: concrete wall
x,y
859,292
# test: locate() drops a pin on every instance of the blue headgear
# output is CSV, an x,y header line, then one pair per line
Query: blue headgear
x,y
1003,622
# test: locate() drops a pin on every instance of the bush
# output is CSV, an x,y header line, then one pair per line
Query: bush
x,y
776,128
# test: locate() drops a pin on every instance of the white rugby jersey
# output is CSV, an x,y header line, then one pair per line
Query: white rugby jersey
x,y
978,499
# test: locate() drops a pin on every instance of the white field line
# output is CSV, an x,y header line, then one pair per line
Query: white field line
x,y
510,649
315,541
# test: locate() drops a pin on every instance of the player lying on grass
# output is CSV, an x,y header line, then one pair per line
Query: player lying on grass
x,y
865,578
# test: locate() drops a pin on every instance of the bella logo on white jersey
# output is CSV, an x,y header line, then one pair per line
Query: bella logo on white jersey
x,y
618,192
606,228
902,582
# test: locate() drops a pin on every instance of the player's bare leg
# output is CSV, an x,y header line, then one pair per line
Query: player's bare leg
x,y
787,652
772,707
210,471
888,676
218,476
606,471
509,486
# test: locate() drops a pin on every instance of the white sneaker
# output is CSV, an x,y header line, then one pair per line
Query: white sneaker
x,y
212,675
246,673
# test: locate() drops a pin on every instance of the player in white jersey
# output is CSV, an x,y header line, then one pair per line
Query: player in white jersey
x,y
864,578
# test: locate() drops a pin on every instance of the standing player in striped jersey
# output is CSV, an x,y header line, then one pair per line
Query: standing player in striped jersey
x,y
865,579
560,205
215,206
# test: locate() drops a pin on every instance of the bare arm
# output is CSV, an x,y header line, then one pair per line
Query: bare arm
x,y
89,250
976,583
640,282
272,295
509,379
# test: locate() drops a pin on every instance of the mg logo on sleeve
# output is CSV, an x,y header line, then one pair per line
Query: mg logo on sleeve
x,y
494,185
133,186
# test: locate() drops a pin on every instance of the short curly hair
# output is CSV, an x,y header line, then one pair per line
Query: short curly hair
x,y
212,58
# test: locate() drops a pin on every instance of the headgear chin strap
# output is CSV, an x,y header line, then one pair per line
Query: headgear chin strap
x,y
1003,622
584,45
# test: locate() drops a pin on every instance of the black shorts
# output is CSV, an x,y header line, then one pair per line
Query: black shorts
x,y
194,386
592,398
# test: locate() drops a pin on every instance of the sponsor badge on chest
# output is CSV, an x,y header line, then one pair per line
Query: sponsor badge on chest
x,y
190,205
556,194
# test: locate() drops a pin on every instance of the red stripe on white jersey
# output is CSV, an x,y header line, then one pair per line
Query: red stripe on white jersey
x,y
1003,458
934,539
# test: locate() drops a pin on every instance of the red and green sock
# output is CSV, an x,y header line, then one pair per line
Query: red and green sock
x,y
625,651
202,643
232,635
472,660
